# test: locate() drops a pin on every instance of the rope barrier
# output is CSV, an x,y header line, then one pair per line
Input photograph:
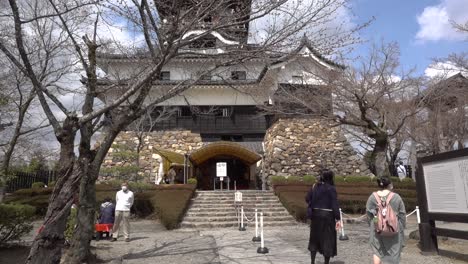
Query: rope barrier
x,y
357,218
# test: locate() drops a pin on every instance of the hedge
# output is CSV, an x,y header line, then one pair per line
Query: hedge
x,y
167,202
352,197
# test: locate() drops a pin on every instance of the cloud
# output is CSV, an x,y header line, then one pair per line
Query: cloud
x,y
443,70
435,21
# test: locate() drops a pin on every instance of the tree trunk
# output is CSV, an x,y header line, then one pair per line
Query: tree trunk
x,y
379,155
47,245
79,251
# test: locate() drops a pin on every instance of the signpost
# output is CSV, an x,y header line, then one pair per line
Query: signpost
x,y
442,186
221,172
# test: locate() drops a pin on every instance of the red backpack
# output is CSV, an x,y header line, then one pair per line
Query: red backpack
x,y
387,220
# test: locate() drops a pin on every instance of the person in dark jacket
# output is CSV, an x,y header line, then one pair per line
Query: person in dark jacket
x,y
323,211
107,212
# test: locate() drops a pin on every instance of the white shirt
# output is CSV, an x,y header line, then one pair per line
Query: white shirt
x,y
124,200
401,170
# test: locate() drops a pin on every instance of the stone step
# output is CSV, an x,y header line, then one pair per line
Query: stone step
x,y
231,198
233,209
233,214
217,209
244,194
253,205
233,224
234,218
226,202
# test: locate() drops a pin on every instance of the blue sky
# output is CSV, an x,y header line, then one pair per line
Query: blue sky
x,y
420,27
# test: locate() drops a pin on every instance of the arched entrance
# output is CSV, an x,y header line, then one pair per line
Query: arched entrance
x,y
241,164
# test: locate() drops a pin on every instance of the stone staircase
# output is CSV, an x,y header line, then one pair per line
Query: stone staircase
x,y
217,209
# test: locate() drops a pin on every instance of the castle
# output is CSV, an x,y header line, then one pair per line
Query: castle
x,y
219,118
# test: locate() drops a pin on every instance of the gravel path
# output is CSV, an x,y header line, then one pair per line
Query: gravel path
x,y
151,243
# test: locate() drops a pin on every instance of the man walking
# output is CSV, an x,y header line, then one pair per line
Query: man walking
x,y
124,201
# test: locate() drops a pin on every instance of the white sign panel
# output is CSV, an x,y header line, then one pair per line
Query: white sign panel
x,y
221,169
238,197
447,186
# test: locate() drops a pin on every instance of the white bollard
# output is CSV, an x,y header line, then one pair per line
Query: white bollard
x,y
242,227
262,249
418,217
256,238
342,235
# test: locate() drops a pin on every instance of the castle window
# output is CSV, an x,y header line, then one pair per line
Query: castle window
x,y
165,76
204,43
225,112
238,75
183,111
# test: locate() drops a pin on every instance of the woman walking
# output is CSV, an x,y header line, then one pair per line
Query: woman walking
x,y
386,248
324,214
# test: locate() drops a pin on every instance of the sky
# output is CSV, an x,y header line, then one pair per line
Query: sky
x,y
420,27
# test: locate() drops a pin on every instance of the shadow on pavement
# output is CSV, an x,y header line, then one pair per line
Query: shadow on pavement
x,y
453,255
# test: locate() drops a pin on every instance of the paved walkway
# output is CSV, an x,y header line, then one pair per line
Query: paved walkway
x,y
151,243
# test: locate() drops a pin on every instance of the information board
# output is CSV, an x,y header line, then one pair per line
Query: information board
x,y
221,169
447,185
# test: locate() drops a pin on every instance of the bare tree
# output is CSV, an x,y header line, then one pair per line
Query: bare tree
x,y
17,97
373,101
444,124
165,39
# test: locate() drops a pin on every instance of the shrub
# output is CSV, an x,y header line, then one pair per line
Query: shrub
x,y
309,179
278,180
15,221
140,186
339,179
192,181
407,180
395,179
357,179
38,185
51,184
114,183
294,179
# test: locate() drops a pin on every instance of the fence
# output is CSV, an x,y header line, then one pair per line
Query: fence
x,y
24,180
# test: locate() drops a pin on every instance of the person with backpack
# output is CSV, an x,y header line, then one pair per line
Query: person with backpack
x,y
387,219
323,212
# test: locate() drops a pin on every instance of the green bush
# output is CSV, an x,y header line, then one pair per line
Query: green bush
x,y
32,192
294,179
51,184
352,197
309,179
192,181
407,180
395,179
339,179
357,179
38,185
278,180
140,186
114,183
15,221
